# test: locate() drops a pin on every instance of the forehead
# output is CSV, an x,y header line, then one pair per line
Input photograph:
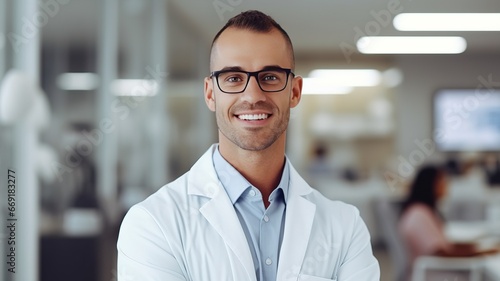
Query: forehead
x,y
250,50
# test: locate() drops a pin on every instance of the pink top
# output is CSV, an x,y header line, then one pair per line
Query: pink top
x,y
422,231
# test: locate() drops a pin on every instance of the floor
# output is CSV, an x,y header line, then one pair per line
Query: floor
x,y
383,258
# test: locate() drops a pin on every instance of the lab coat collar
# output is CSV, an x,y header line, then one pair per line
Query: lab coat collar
x,y
298,225
202,177
219,212
204,181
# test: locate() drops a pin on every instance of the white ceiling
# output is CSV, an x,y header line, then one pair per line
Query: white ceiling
x,y
318,26
322,25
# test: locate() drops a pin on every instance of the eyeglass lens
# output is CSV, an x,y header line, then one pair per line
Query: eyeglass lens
x,y
236,81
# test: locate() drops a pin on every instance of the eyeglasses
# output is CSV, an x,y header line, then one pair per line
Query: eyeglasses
x,y
272,79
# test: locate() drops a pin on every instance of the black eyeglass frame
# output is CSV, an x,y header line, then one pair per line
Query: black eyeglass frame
x,y
249,74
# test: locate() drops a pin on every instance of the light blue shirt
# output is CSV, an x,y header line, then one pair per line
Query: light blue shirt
x,y
263,227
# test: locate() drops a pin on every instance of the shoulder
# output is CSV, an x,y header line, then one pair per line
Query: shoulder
x,y
326,209
164,212
176,194
416,216
334,212
170,197
416,211
326,204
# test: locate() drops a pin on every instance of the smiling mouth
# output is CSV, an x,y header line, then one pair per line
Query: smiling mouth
x,y
253,117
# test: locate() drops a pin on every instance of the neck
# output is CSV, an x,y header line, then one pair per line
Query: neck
x,y
263,169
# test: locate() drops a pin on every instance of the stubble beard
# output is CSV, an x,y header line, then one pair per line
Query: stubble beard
x,y
253,139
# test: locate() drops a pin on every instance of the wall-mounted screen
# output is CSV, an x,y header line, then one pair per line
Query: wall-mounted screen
x,y
467,119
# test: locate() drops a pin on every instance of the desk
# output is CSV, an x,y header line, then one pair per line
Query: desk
x,y
471,231
486,234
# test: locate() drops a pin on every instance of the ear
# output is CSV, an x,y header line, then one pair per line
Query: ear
x,y
209,94
296,91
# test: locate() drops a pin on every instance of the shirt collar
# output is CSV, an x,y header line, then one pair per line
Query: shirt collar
x,y
235,184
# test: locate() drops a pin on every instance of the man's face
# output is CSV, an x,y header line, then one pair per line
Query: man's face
x,y
236,113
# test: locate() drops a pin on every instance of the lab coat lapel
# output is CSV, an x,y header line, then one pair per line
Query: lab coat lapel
x,y
298,225
219,210
220,214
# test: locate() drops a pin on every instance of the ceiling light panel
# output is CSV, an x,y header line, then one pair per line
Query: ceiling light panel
x,y
447,22
411,45
323,86
348,77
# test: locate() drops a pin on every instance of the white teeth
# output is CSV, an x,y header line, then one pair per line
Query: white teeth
x,y
253,116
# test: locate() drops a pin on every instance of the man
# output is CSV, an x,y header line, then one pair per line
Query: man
x,y
242,212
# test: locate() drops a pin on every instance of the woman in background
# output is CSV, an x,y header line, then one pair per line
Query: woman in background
x,y
421,225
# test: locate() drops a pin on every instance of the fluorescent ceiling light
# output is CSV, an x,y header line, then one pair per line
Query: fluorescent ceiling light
x,y
78,81
323,86
411,45
134,87
447,22
348,77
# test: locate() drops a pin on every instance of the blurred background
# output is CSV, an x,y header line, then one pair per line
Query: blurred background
x,y
101,104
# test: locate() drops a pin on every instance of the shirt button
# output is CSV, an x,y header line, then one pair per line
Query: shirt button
x,y
269,261
252,192
266,218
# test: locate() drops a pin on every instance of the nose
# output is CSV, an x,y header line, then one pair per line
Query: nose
x,y
253,93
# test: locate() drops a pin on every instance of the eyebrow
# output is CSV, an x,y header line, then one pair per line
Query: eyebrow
x,y
238,68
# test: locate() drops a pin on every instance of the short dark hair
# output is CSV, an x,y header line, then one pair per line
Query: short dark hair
x,y
256,21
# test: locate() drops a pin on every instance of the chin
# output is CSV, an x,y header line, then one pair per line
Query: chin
x,y
253,146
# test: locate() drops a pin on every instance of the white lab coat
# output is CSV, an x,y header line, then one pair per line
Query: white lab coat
x,y
189,230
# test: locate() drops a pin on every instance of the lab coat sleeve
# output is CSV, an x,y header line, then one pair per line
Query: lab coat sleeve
x,y
359,263
143,251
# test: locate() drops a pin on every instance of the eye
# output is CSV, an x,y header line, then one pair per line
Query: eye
x,y
269,77
232,77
